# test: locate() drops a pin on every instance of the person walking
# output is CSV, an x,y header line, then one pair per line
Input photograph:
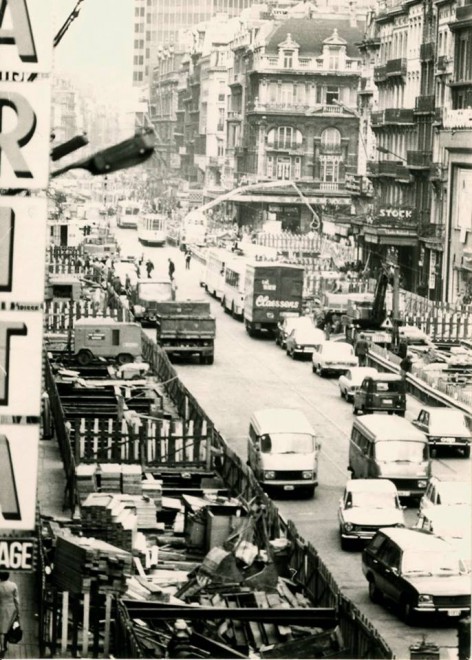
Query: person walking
x,y
188,257
361,348
405,366
171,269
149,268
9,608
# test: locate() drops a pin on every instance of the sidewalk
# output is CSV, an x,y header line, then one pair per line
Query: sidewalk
x,y
51,484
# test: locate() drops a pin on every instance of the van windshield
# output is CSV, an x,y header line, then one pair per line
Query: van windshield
x,y
155,291
287,443
401,450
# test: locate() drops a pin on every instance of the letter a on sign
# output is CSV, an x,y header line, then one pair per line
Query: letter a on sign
x,y
25,35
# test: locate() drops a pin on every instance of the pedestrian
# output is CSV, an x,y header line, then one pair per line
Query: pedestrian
x,y
361,348
405,365
188,257
9,608
171,269
149,267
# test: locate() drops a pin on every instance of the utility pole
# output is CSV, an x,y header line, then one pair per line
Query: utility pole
x,y
396,308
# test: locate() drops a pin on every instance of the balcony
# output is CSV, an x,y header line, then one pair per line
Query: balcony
x,y
419,160
396,67
234,116
392,116
458,119
240,151
330,186
427,51
424,105
380,73
441,63
389,169
464,13
430,233
372,168
438,172
285,146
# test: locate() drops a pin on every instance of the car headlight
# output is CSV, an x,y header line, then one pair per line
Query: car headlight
x,y
348,527
425,599
307,474
422,484
269,474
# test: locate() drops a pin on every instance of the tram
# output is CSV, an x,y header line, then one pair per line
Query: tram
x,y
152,229
127,214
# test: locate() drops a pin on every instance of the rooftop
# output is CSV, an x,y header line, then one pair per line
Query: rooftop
x,y
311,33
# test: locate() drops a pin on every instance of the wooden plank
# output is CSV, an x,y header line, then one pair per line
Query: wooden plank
x,y
106,643
65,622
86,624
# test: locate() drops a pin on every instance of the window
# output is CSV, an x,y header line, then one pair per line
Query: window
x,y
332,94
284,168
329,169
297,170
330,139
288,59
115,337
284,137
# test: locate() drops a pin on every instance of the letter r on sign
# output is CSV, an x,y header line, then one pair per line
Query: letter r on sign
x,y
11,141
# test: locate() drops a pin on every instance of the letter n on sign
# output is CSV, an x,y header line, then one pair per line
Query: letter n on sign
x,y
25,110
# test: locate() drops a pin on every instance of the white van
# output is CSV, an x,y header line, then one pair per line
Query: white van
x,y
283,450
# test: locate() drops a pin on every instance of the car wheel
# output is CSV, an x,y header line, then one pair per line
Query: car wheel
x,y
313,368
407,612
341,393
355,410
401,413
84,358
293,355
374,594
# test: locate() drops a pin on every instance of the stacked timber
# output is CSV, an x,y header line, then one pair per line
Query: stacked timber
x,y
86,480
110,477
131,479
106,518
79,562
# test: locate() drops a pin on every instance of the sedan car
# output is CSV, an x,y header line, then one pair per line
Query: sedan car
x,y
445,493
289,323
367,505
445,427
417,571
303,341
352,379
333,357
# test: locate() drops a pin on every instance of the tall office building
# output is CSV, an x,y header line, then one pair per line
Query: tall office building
x,y
160,23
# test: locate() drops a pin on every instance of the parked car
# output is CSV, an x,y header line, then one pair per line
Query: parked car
x,y
451,523
445,493
381,392
303,341
367,505
352,380
414,336
445,427
333,357
289,323
418,572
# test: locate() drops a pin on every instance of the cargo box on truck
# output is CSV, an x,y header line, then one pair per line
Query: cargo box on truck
x,y
186,328
270,290
106,338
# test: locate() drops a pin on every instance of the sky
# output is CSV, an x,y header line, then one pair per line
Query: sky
x,y
97,48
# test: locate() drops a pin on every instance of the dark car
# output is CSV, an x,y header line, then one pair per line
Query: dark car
x,y
381,392
417,571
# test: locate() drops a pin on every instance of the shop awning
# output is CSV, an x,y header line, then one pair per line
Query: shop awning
x,y
391,239
287,199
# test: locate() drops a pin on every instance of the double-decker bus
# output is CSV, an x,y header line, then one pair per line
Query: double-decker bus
x,y
152,229
232,297
127,214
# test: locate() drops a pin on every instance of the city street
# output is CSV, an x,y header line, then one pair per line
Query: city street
x,y
249,374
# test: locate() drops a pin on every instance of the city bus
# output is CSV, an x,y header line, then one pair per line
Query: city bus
x,y
235,275
127,214
152,229
215,271
194,229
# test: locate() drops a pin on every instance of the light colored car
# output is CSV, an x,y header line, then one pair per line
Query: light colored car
x,y
451,523
445,427
414,336
333,357
366,506
445,493
303,341
352,380
289,323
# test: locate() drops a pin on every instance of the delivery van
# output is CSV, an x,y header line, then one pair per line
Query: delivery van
x,y
392,449
283,450
106,338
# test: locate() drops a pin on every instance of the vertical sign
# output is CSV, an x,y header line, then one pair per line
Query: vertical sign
x,y
25,99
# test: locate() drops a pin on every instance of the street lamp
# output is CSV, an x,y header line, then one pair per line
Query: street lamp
x,y
384,150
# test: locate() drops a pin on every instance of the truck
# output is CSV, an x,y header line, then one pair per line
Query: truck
x,y
106,338
271,288
186,328
147,295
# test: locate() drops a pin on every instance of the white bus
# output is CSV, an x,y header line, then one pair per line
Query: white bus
x,y
232,297
194,229
152,229
215,271
127,214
